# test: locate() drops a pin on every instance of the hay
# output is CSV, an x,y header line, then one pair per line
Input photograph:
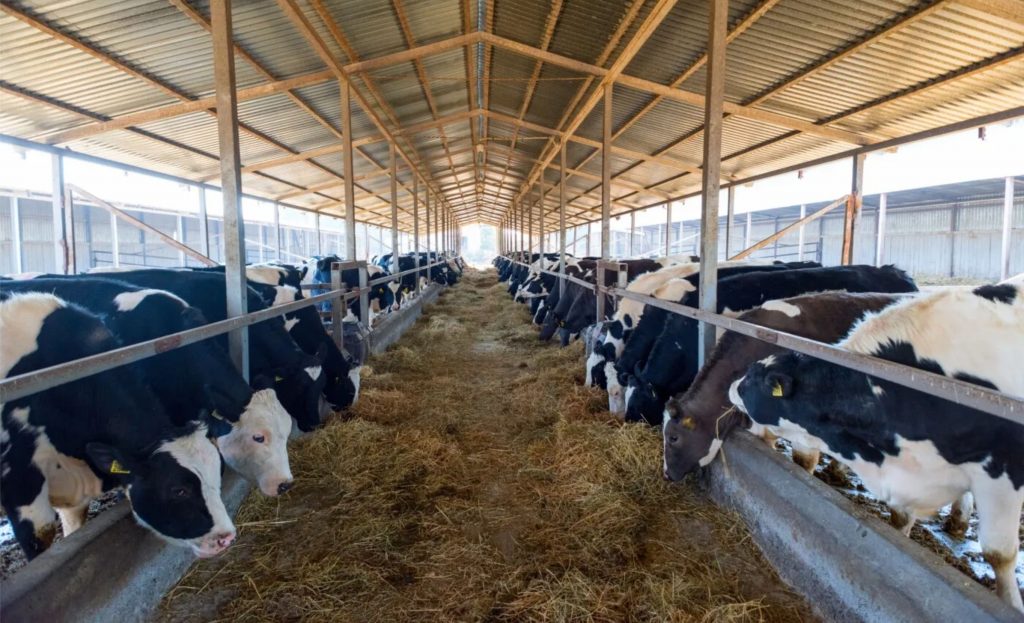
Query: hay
x,y
477,481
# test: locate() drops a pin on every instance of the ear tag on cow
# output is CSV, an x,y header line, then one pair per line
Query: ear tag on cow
x,y
117,468
216,415
777,390
689,423
278,379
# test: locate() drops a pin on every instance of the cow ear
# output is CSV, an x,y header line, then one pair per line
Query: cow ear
x,y
778,385
216,426
302,272
107,459
261,382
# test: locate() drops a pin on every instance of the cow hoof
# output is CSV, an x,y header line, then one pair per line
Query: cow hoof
x,y
955,525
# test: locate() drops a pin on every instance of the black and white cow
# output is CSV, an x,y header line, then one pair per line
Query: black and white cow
x,y
193,381
299,380
61,447
672,363
697,421
912,450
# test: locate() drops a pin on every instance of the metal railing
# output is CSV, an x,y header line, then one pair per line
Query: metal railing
x,y
954,390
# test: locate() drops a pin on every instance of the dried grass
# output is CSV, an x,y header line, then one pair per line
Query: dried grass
x,y
479,481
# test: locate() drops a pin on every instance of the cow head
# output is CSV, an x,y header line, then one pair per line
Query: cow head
x,y
689,441
175,490
257,444
644,403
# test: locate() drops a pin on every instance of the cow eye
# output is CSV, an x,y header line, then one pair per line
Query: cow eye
x,y
673,439
258,438
180,492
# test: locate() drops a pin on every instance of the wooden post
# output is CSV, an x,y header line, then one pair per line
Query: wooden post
x,y
883,207
606,171
230,178
853,205
348,172
711,172
1004,262
394,208
561,218
60,238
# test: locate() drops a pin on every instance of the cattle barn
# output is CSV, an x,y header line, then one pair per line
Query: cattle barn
x,y
509,310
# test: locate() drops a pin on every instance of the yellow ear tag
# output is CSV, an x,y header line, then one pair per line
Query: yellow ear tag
x,y
117,468
689,423
217,416
777,390
278,379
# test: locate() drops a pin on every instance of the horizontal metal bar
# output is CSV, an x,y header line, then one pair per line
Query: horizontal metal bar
x,y
399,275
46,378
569,278
953,390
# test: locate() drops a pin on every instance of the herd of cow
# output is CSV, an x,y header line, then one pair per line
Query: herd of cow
x,y
160,428
913,451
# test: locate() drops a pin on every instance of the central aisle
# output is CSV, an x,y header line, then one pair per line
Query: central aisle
x,y
478,480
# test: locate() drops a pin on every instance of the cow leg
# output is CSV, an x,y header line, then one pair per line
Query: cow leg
x,y
999,507
959,516
73,517
901,519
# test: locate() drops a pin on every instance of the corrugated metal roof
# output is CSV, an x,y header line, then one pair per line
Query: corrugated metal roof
x,y
878,68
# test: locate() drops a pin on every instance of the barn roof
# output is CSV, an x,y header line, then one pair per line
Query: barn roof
x,y
478,94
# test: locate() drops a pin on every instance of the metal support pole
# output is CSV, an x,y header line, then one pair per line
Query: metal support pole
x,y
632,231
883,209
60,239
730,217
426,200
16,233
529,229
416,225
348,171
338,306
319,238
800,235
204,222
69,228
364,295
1004,263
668,228
853,205
561,219
437,227
230,179
278,237
746,232
600,294
588,239
540,199
606,171
394,208
711,172
179,232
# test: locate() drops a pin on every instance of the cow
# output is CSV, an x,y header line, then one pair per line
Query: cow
x,y
250,427
298,377
913,450
672,362
63,446
697,421
380,298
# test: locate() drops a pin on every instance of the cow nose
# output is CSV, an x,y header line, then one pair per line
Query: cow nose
x,y
283,487
225,539
664,475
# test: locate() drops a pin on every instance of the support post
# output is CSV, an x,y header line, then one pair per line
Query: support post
x,y
230,179
426,200
1004,263
668,228
711,172
60,237
529,230
338,307
348,171
800,235
16,234
319,238
588,239
416,227
540,200
606,171
204,222
853,205
278,237
179,231
561,218
632,231
746,232
599,292
394,208
883,209
730,217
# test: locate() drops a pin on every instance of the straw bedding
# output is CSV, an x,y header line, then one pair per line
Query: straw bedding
x,y
477,480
